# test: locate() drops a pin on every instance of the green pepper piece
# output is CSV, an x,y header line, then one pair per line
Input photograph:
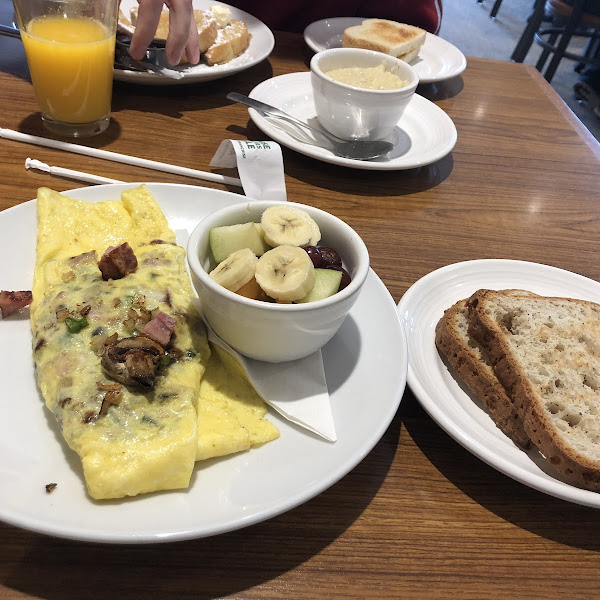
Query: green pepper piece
x,y
164,360
76,325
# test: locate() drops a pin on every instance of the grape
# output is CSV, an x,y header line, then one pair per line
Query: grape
x,y
324,257
346,279
330,256
314,254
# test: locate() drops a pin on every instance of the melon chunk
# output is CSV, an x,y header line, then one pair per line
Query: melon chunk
x,y
327,283
228,239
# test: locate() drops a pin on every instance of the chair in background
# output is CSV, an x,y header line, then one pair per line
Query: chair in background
x,y
566,21
495,8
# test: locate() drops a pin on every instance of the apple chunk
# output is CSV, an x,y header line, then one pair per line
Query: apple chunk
x,y
228,239
327,283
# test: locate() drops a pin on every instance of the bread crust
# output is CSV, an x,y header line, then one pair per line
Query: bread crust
x,y
397,39
492,332
472,366
410,55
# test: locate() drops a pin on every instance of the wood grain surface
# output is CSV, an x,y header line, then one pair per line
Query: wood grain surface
x,y
420,517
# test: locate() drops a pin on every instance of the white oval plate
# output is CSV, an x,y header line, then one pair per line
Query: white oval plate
x,y
365,366
424,134
437,60
441,395
261,46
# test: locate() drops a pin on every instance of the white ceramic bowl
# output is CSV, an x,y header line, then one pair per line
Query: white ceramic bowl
x,y
354,113
264,330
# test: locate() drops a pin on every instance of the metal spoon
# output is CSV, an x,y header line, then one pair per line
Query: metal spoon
x,y
358,150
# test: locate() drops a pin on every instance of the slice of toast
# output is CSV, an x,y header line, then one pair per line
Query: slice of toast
x,y
397,39
546,353
472,365
409,56
231,41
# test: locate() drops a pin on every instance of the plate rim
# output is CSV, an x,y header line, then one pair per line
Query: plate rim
x,y
547,485
289,501
306,149
350,21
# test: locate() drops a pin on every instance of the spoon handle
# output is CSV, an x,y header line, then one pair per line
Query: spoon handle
x,y
275,112
10,31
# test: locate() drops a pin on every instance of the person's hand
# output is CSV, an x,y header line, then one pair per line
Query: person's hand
x,y
183,31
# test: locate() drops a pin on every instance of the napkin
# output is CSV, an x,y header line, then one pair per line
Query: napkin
x,y
259,164
296,389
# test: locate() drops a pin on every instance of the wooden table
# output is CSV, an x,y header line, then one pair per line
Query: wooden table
x,y
420,517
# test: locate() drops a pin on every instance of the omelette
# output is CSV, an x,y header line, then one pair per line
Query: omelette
x,y
120,351
230,412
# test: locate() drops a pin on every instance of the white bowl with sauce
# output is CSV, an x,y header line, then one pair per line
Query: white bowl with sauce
x,y
348,109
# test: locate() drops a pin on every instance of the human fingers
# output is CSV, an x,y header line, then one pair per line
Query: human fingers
x,y
145,27
183,32
192,48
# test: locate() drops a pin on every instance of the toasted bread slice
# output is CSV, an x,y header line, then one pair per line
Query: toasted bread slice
x,y
472,365
410,55
231,41
389,37
546,354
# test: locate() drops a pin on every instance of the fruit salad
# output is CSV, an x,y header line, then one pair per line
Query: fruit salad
x,y
278,259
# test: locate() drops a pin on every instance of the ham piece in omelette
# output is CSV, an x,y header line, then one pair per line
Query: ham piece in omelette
x,y
120,351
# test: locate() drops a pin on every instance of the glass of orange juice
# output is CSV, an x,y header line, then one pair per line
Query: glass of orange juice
x,y
70,48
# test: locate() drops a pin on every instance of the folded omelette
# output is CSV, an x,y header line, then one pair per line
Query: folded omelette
x,y
120,352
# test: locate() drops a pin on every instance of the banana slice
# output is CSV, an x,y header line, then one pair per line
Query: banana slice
x,y
285,273
288,225
236,270
315,233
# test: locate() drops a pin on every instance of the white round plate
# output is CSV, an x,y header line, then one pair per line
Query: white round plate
x,y
455,411
261,45
424,134
437,60
367,359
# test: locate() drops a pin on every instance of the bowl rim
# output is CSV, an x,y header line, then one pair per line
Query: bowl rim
x,y
198,271
315,68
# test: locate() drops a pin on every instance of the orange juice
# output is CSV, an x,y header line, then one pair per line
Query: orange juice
x,y
71,64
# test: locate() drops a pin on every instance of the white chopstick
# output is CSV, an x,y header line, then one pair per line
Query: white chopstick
x,y
38,165
17,136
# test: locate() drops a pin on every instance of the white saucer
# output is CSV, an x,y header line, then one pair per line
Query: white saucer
x,y
424,134
458,413
437,60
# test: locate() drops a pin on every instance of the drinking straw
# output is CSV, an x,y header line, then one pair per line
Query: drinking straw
x,y
17,136
31,163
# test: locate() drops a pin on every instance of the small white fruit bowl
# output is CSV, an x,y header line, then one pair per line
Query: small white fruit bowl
x,y
269,331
